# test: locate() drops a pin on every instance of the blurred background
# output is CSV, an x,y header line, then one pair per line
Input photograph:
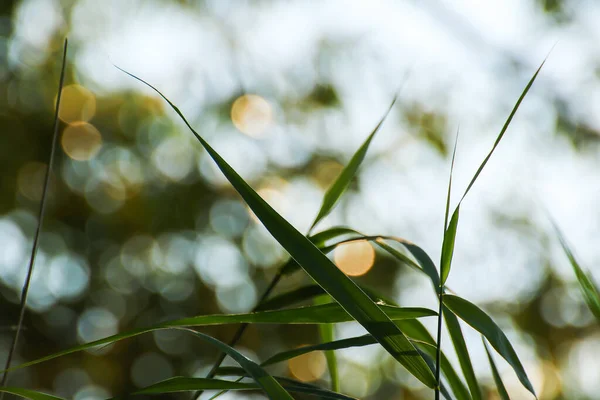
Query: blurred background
x,y
141,227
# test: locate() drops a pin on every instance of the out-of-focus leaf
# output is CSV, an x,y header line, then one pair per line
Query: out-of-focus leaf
x,y
464,359
29,394
338,187
320,268
499,384
326,333
479,320
590,291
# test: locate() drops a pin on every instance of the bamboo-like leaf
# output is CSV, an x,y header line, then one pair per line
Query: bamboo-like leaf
x,y
449,230
505,127
292,297
29,394
448,245
322,314
499,384
289,384
182,384
338,187
321,269
271,386
481,322
590,291
464,359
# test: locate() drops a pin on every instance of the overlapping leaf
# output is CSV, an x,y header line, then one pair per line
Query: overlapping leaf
x,y
481,322
341,288
497,379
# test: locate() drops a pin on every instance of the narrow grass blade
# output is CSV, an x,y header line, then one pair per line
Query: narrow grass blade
x,y
29,394
464,359
338,187
181,384
271,387
590,291
448,245
505,127
326,334
499,384
481,322
322,314
38,229
289,384
321,269
449,230
292,297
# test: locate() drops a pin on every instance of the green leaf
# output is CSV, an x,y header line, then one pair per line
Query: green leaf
x,y
326,333
181,384
290,384
464,359
338,187
499,384
449,230
327,313
448,245
292,297
481,322
271,387
504,128
588,288
321,269
29,394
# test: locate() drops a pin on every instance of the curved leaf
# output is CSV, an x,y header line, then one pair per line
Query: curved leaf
x,y
338,187
271,387
464,359
481,322
322,314
499,384
182,384
29,394
321,269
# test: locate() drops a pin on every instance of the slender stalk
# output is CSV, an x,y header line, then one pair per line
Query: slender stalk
x,y
42,210
438,350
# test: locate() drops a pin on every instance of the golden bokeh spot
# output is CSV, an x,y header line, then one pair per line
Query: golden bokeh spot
x,y
76,104
252,115
30,180
326,173
81,141
355,258
308,367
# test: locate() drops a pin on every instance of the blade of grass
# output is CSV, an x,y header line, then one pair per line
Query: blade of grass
x,y
320,268
269,384
42,210
464,359
445,262
338,187
481,322
590,291
327,313
499,384
29,394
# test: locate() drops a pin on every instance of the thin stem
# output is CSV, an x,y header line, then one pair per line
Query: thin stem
x,y
438,350
41,213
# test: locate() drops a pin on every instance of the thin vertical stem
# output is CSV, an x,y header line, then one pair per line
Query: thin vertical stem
x,y
41,213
